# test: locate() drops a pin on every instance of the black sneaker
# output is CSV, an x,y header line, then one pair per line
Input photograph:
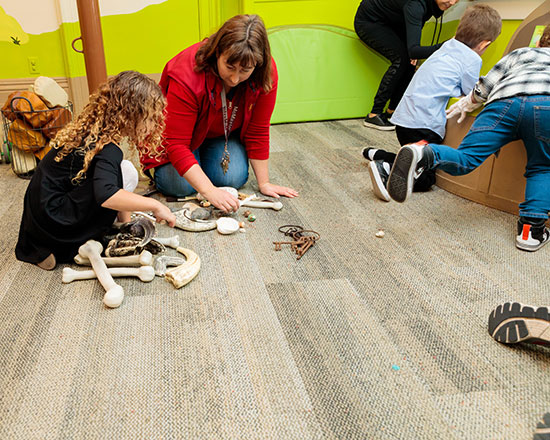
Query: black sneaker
x,y
513,322
543,428
367,152
411,160
532,235
378,123
379,179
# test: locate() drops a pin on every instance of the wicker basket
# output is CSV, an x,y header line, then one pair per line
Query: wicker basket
x,y
27,133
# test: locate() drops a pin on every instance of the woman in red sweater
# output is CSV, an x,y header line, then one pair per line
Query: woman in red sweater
x,y
221,94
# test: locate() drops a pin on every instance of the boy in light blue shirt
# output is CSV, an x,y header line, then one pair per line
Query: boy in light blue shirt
x,y
452,70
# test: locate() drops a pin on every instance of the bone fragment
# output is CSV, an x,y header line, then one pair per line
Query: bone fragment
x,y
173,241
114,293
183,274
162,262
144,273
143,259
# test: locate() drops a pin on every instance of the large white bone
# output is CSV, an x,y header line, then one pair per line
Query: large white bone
x,y
144,273
143,259
173,241
114,293
181,275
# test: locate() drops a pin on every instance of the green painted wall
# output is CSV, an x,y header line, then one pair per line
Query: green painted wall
x,y
326,72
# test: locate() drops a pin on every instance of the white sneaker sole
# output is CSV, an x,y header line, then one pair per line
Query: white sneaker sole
x,y
379,127
378,187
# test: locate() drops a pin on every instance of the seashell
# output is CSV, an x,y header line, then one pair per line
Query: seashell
x,y
227,225
183,274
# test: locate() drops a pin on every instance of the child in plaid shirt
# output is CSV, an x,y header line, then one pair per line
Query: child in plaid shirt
x,y
516,93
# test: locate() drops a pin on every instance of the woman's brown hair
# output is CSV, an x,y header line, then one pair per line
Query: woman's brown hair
x,y
243,39
128,104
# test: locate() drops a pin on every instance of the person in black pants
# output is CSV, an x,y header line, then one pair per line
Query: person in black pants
x,y
393,29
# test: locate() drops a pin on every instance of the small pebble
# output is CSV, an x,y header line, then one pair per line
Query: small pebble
x,y
251,217
380,233
241,224
246,213
205,203
396,367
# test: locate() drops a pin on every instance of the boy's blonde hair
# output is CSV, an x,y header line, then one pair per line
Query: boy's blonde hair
x,y
129,104
545,37
479,23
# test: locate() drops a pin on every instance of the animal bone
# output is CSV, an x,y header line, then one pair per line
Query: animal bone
x,y
183,274
277,206
144,273
143,259
183,221
114,293
173,241
162,262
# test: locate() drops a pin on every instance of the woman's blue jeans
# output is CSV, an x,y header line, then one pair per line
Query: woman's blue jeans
x,y
522,117
209,156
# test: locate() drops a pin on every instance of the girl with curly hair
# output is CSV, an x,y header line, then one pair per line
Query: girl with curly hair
x,y
221,94
82,183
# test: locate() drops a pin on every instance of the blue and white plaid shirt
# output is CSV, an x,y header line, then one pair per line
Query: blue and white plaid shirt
x,y
524,71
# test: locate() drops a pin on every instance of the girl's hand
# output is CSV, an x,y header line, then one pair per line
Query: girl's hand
x,y
221,199
268,189
162,212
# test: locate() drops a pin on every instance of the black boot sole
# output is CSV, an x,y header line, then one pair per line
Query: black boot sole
x,y
513,322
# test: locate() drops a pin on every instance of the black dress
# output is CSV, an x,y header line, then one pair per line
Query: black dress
x,y
59,216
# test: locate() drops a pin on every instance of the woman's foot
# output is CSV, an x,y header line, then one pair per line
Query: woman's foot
x,y
47,263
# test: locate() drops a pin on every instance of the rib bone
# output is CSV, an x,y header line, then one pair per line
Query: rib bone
x,y
143,259
181,275
114,293
144,273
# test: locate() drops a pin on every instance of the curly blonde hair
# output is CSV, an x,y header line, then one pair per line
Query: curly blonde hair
x,y
545,38
129,104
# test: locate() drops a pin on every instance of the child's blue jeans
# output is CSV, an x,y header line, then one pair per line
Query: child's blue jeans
x,y
209,155
522,117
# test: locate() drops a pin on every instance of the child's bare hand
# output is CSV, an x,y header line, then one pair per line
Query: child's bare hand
x,y
162,212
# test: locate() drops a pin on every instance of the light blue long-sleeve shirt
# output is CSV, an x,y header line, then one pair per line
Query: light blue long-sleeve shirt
x,y
452,70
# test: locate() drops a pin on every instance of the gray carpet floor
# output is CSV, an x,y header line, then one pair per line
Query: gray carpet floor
x,y
363,338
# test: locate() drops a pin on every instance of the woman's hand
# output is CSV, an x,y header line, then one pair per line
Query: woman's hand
x,y
268,189
221,199
162,212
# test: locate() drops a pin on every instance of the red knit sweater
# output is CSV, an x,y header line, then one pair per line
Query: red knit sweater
x,y
193,103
